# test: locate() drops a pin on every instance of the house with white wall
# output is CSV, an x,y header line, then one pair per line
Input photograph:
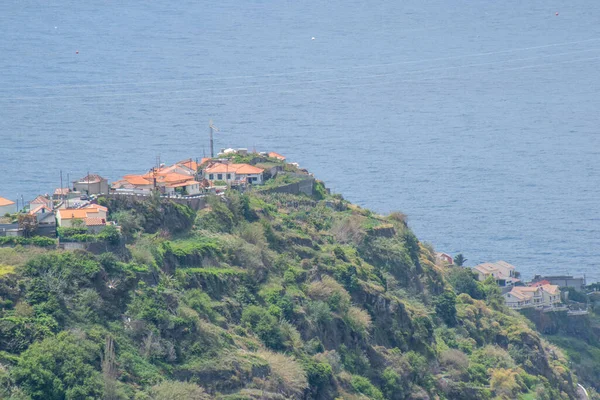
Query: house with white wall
x,y
7,206
532,296
504,273
92,215
233,173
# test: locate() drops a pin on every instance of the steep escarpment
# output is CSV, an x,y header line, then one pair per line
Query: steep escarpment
x,y
263,296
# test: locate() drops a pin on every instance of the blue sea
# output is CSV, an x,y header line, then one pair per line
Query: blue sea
x,y
478,119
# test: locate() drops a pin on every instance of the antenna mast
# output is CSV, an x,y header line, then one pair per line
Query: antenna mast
x,y
212,128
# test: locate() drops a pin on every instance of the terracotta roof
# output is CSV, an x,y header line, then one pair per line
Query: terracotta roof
x,y
241,169
175,178
35,210
246,169
552,289
94,221
486,268
136,180
191,164
97,207
72,213
272,154
91,178
41,200
519,295
188,183
540,283
6,202
205,160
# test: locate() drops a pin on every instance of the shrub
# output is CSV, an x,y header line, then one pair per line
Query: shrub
x,y
362,385
264,325
359,321
175,390
330,291
287,376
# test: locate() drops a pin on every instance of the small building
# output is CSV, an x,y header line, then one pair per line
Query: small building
x,y
7,206
44,215
543,296
504,273
91,184
233,173
272,154
133,184
41,201
577,283
187,188
444,258
92,215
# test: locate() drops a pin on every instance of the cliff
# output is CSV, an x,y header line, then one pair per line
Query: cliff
x,y
263,296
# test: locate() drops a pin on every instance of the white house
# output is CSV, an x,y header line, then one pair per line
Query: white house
x,y
135,184
189,187
91,215
43,215
41,201
91,184
7,206
504,273
231,173
528,296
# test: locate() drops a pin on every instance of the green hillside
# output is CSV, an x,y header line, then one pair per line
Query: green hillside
x,y
262,296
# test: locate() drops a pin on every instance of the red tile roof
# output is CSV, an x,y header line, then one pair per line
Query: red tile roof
x,y
240,169
6,202
272,154
94,221
137,180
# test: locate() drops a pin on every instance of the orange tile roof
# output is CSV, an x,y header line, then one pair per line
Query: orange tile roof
x,y
41,200
97,207
137,180
72,213
241,169
94,221
173,185
191,164
204,160
552,289
540,283
35,210
6,202
175,178
245,169
272,154
62,191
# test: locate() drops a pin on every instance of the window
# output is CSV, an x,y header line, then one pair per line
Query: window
x,y
220,177
211,177
228,176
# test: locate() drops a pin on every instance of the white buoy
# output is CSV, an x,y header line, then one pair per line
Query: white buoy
x,y
312,38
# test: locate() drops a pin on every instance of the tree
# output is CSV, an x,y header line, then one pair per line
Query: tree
x,y
61,367
464,281
28,223
460,260
445,307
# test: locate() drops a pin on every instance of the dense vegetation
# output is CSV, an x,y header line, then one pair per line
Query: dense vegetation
x,y
262,296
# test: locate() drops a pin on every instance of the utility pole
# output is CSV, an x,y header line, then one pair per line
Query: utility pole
x,y
60,193
212,128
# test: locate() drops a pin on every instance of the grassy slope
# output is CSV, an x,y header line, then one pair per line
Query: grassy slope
x,y
266,296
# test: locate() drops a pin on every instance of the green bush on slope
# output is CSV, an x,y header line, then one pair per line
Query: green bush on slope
x,y
264,296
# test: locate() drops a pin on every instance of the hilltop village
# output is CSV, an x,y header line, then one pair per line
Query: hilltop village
x,y
74,216
242,277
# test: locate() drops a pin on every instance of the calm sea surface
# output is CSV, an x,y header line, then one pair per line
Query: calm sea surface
x,y
478,119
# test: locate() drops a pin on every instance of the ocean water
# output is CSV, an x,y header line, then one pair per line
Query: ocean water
x,y
480,120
